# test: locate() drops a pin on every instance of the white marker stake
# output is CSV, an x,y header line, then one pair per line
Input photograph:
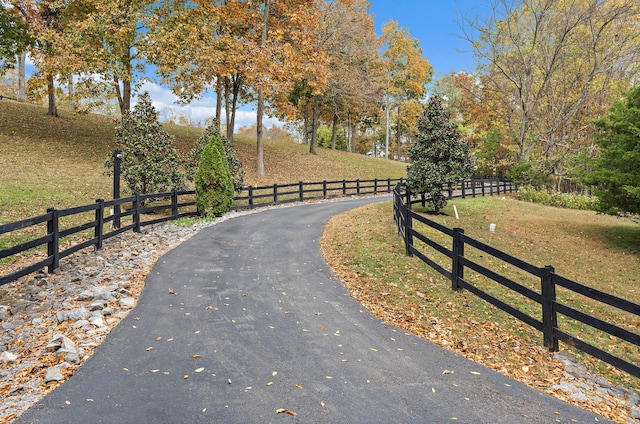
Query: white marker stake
x,y
456,211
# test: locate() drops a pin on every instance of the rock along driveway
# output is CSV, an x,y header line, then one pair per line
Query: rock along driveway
x,y
258,324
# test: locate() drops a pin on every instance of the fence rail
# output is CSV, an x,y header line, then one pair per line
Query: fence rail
x,y
105,217
549,305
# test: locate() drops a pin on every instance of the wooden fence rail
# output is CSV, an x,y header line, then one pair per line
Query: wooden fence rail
x,y
105,216
549,305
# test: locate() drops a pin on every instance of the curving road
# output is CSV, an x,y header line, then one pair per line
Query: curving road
x,y
258,324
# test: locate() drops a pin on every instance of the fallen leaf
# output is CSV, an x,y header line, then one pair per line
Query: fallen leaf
x,y
322,404
285,411
185,376
274,373
158,339
171,291
299,386
89,400
199,369
196,356
270,383
475,373
67,402
329,377
125,369
447,372
149,348
154,370
229,381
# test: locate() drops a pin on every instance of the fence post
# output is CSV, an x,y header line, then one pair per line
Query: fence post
x,y
344,187
463,185
483,187
358,186
549,316
491,186
301,190
423,200
250,195
375,186
53,245
99,228
388,185
174,204
117,158
324,189
473,187
450,190
408,227
136,213
498,186
457,268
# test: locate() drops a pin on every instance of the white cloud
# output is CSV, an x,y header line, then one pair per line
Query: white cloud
x,y
198,111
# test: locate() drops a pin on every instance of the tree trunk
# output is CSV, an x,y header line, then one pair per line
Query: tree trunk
x,y
334,130
71,89
51,94
305,137
22,77
314,125
218,100
398,132
386,136
260,155
237,83
227,104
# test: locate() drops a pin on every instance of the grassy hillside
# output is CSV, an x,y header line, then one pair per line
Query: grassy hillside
x,y
58,162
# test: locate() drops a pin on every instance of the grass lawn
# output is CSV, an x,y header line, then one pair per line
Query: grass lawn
x,y
598,251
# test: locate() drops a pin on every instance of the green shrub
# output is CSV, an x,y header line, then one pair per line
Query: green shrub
x,y
214,184
558,200
150,161
192,158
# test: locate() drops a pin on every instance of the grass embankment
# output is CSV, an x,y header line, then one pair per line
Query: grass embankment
x,y
58,162
598,251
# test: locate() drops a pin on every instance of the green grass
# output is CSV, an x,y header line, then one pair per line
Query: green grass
x,y
59,162
599,251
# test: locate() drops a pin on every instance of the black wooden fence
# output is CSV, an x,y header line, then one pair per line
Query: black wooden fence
x,y
103,218
550,306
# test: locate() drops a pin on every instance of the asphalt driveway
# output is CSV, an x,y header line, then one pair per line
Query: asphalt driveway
x,y
260,331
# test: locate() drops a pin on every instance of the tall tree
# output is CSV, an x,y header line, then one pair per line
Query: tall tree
x,y
439,155
108,36
406,72
554,66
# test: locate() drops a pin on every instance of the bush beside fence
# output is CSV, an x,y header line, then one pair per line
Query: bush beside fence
x,y
549,305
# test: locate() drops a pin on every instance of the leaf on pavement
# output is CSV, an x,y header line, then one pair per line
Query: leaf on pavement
x,y
285,411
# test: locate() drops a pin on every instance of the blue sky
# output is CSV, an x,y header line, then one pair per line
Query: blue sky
x,y
435,24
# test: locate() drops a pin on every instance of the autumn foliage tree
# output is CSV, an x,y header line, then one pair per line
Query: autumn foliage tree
x,y
551,67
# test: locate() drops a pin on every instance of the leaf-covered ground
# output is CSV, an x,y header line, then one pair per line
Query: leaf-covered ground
x,y
363,248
